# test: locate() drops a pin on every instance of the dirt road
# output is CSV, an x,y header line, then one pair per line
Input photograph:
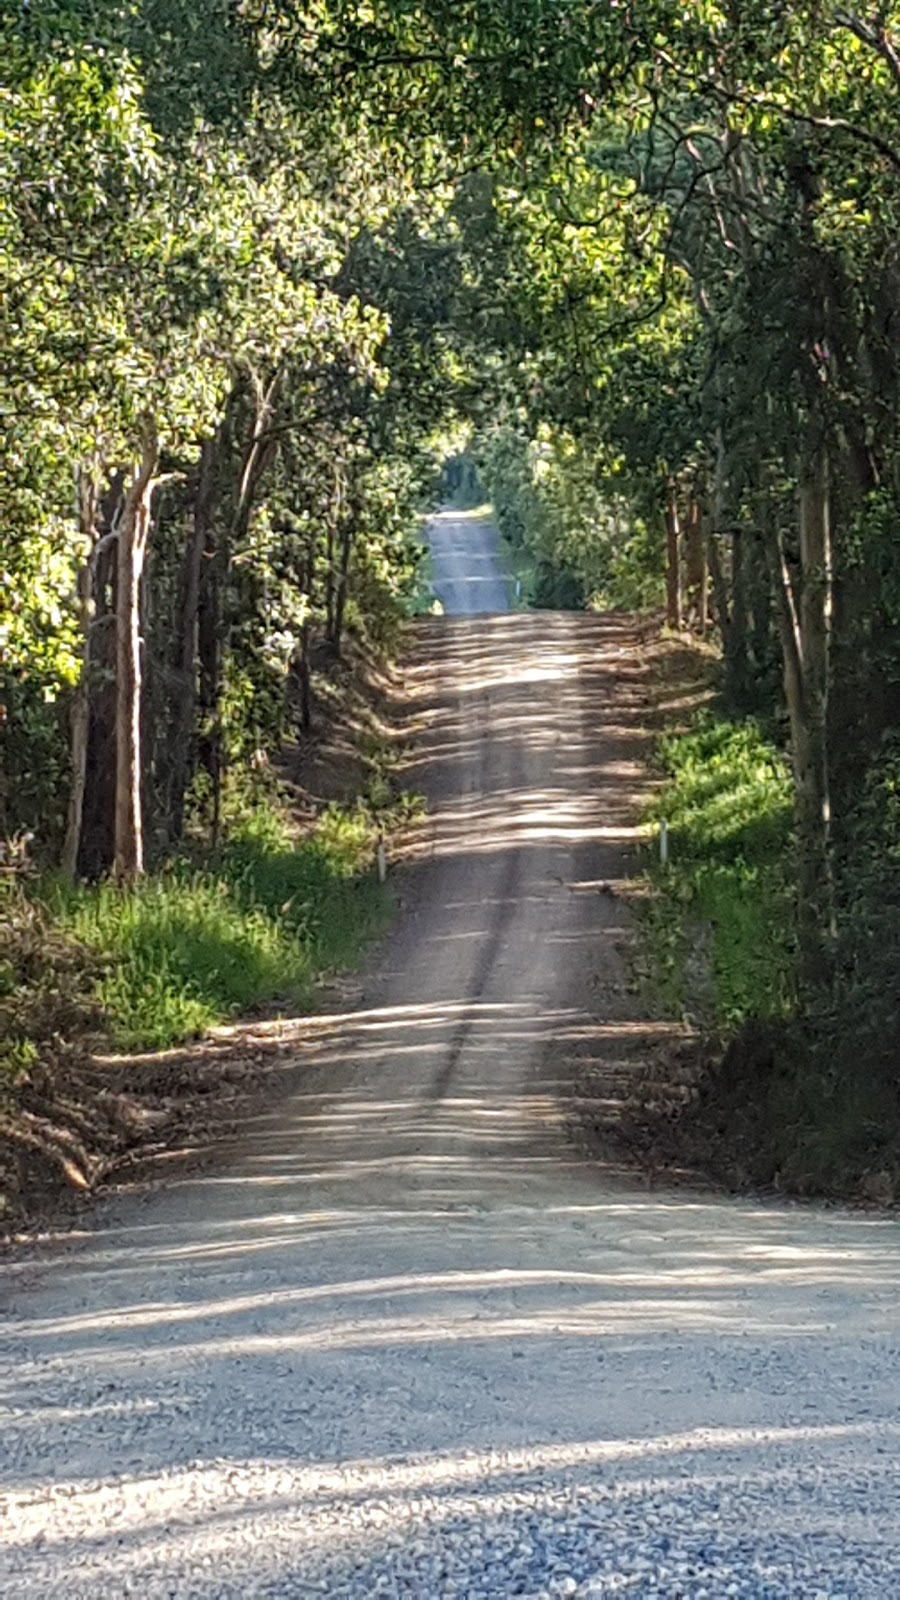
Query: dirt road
x,y
402,1338
467,578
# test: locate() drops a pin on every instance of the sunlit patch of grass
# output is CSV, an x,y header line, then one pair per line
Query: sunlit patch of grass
x,y
181,952
718,932
323,892
193,947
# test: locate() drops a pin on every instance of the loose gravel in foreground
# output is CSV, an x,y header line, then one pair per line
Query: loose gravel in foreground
x,y
703,1528
232,1410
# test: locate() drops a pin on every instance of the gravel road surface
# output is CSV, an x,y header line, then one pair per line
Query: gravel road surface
x,y
467,577
401,1338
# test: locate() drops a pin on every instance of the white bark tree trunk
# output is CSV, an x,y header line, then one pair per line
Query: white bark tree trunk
x,y
673,559
134,527
805,628
86,493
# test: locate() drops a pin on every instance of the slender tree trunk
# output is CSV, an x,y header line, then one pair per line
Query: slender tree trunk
x,y
95,845
181,735
332,526
737,644
92,843
86,492
329,580
714,542
804,622
209,664
760,609
134,527
215,562
673,559
721,606
256,455
305,675
340,604
811,764
697,577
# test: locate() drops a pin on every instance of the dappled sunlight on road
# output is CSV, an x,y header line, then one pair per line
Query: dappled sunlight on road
x,y
271,1516
584,672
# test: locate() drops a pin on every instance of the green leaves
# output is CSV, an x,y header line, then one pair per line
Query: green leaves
x,y
719,931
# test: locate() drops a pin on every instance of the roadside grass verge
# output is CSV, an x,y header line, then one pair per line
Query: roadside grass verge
x,y
774,1087
718,926
110,1057
197,945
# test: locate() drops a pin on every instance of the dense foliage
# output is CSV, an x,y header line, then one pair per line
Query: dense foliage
x,y
216,421
581,536
256,260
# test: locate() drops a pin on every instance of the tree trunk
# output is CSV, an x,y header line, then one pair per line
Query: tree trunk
x,y
673,559
215,560
714,540
181,736
305,629
209,662
94,845
697,577
760,606
86,491
811,764
721,605
329,580
334,521
134,526
805,630
340,604
739,662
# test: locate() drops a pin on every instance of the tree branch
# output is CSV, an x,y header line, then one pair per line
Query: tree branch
x,y
875,35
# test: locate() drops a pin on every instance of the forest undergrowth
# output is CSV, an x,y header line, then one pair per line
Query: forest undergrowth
x,y
763,1094
109,997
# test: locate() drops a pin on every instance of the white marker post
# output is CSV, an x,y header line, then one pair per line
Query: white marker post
x,y
663,843
381,859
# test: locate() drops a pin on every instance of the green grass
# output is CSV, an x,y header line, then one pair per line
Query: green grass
x,y
192,947
718,931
